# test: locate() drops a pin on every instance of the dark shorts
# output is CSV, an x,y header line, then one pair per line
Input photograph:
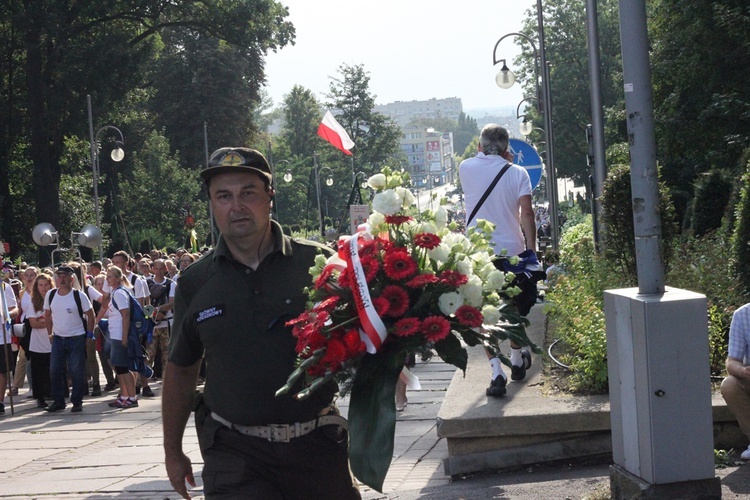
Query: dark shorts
x,y
125,356
525,300
238,466
7,351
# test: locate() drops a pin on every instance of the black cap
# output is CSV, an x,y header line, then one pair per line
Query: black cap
x,y
237,159
64,270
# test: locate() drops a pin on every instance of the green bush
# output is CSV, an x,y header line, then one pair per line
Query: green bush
x,y
576,308
712,192
741,236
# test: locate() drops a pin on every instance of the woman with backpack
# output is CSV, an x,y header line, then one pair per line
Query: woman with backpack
x,y
40,347
122,354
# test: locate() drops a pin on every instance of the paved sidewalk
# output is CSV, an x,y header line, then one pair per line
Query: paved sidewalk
x,y
106,453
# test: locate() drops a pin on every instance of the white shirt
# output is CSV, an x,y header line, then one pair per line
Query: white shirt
x,y
10,297
65,319
502,206
93,294
122,298
27,307
39,341
140,287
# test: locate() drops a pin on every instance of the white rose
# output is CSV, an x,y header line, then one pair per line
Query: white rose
x,y
375,220
472,291
491,315
406,196
440,253
377,181
387,202
495,280
450,302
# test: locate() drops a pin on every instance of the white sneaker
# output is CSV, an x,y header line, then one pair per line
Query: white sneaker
x,y
746,454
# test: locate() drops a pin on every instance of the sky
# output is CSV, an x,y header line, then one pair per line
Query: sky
x,y
412,49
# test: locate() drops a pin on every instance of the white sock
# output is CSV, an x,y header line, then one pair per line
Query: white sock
x,y
497,368
515,357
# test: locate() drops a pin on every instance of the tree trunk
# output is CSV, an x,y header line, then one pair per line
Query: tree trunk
x,y
46,172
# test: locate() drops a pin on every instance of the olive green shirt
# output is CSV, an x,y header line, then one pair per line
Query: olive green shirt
x,y
237,315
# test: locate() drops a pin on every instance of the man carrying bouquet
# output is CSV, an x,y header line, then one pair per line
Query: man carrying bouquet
x,y
233,304
508,206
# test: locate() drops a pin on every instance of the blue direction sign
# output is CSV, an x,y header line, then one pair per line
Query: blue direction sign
x,y
524,155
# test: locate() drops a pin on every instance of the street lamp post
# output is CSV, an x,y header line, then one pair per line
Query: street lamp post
x,y
329,182
117,155
505,79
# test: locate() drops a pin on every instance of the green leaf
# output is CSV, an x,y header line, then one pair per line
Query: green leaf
x,y
450,350
372,417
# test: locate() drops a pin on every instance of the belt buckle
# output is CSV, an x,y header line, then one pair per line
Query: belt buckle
x,y
278,433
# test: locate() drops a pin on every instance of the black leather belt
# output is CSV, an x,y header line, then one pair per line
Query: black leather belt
x,y
282,433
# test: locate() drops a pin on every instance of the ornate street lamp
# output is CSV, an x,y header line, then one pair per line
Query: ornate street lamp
x,y
505,79
117,155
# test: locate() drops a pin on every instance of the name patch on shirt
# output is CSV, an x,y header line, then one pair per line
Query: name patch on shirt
x,y
211,312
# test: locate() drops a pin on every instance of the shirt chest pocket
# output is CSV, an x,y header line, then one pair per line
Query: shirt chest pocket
x,y
276,313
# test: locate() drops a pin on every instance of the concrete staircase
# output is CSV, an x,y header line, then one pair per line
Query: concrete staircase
x,y
527,427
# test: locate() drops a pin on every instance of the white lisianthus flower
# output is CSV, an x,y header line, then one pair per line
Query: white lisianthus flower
x,y
454,239
406,196
484,271
465,266
440,253
495,280
493,298
375,221
441,217
472,291
428,227
450,302
513,260
491,315
377,182
510,276
387,202
512,291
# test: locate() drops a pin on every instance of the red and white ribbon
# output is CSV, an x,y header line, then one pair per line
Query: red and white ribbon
x,y
373,331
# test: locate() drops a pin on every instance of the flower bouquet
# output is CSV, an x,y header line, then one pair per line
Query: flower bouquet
x,y
405,283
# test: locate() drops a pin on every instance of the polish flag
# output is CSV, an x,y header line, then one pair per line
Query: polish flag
x,y
333,132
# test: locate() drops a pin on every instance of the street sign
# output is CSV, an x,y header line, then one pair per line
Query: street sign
x,y
524,155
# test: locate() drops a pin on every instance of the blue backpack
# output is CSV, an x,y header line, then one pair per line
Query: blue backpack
x,y
140,326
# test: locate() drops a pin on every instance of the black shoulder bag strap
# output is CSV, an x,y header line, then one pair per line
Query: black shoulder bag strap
x,y
487,193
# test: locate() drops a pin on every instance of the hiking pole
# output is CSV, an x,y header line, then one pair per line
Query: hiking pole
x,y
6,329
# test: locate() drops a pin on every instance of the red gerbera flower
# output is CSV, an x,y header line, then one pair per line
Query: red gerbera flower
x,y
345,278
399,265
435,328
398,300
397,220
427,240
368,247
406,327
370,266
421,280
327,304
323,277
469,316
453,278
381,305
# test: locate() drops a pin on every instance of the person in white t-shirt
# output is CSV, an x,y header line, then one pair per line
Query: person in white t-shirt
x,y
70,320
123,346
122,260
40,347
24,301
7,354
509,208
